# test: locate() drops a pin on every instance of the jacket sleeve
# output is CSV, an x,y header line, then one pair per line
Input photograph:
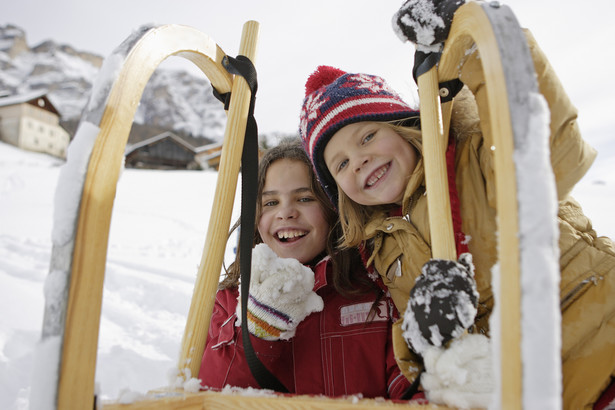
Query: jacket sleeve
x,y
222,326
217,359
407,364
571,156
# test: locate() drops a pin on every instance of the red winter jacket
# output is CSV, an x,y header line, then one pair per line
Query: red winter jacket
x,y
334,352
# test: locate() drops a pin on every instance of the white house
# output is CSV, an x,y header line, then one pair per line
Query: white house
x,y
31,122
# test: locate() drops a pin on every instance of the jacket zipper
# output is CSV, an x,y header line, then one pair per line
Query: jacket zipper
x,y
578,290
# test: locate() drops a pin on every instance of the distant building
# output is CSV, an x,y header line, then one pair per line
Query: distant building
x,y
169,151
163,151
208,156
31,122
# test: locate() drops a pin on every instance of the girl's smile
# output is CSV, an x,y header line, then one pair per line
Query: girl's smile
x,y
292,222
377,175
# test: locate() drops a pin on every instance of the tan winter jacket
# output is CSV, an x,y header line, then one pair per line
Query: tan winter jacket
x,y
587,288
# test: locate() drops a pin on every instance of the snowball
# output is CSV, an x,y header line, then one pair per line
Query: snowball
x,y
460,375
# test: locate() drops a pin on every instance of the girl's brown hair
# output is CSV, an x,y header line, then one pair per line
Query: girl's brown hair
x,y
349,276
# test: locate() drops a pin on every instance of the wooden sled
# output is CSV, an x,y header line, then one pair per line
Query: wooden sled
x,y
511,84
83,257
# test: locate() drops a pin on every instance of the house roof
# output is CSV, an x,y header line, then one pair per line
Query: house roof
x,y
208,147
28,97
21,98
156,138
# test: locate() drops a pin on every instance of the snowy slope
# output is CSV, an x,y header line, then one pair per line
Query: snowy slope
x,y
158,229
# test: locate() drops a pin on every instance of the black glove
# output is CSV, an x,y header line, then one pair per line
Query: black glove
x,y
442,303
425,22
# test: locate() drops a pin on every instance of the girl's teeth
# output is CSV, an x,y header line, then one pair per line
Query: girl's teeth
x,y
376,177
290,234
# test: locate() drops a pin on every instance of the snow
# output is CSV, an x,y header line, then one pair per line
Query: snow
x,y
420,17
157,233
100,89
461,375
538,233
67,198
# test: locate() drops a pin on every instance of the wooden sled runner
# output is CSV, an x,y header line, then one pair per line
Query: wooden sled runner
x,y
82,256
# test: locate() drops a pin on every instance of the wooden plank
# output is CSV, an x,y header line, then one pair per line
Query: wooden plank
x,y
259,400
434,161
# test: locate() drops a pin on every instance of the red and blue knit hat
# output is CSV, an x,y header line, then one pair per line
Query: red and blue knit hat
x,y
334,99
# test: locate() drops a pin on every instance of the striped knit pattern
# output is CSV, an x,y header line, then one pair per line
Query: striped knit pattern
x,y
334,99
266,322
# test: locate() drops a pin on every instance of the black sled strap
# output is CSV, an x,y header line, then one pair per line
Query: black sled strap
x,y
413,389
423,63
249,169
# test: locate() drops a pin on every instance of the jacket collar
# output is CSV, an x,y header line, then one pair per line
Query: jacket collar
x,y
417,179
321,271
414,188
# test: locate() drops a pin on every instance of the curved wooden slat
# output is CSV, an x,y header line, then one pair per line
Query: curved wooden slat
x,y
80,339
509,82
472,26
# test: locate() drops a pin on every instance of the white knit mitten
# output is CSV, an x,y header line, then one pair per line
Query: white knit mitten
x,y
281,295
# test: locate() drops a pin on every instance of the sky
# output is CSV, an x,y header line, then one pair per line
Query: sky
x,y
355,36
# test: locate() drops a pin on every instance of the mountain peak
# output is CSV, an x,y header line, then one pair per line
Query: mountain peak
x,y
13,40
51,47
172,99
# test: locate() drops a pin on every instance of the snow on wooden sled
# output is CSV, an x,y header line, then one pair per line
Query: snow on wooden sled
x,y
526,348
88,182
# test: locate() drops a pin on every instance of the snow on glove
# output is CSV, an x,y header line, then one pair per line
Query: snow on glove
x,y
461,375
442,303
281,295
425,23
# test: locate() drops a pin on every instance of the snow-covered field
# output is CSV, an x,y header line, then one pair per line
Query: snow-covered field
x,y
157,234
158,229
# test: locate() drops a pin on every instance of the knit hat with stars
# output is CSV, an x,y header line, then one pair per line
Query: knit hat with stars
x,y
333,99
